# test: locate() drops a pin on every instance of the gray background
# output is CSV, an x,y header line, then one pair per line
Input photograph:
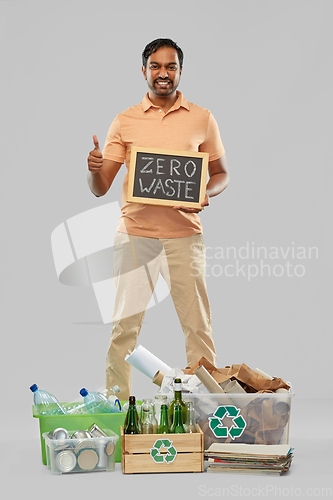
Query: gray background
x,y
264,69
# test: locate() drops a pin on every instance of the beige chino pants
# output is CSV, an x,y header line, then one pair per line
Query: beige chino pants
x,y
138,261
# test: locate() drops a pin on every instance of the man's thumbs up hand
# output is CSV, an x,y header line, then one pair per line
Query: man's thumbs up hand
x,y
96,143
95,158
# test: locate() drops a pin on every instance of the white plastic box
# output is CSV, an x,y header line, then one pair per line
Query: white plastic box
x,y
81,455
252,418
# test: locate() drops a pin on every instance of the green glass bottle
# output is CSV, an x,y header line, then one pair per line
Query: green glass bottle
x,y
164,422
177,399
132,426
126,418
178,426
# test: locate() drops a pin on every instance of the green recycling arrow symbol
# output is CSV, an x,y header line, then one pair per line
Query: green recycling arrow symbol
x,y
221,431
163,457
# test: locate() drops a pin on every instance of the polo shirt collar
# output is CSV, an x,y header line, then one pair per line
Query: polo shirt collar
x,y
181,102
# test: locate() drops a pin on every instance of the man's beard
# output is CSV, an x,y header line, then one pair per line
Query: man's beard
x,y
161,92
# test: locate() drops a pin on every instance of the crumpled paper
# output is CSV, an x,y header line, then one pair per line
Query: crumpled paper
x,y
190,383
250,380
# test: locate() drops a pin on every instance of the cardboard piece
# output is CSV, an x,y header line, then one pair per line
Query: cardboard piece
x,y
250,380
158,378
249,458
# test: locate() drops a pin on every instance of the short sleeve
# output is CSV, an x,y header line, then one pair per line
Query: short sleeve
x,y
212,143
114,148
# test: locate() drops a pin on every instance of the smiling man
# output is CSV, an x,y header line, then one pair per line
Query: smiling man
x,y
163,74
169,237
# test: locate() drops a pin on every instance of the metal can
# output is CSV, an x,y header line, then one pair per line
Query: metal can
x,y
87,459
66,461
81,435
62,446
84,444
109,448
95,431
60,434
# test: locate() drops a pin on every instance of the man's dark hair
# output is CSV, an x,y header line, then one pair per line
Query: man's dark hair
x,y
157,44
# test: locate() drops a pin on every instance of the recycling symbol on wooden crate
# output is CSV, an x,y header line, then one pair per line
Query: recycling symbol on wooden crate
x,y
216,422
163,451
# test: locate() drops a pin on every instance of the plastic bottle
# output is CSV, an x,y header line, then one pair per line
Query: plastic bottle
x,y
75,408
112,396
96,402
45,403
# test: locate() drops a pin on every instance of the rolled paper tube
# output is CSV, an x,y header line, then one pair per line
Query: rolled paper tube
x,y
225,383
158,378
263,373
233,387
208,381
282,405
146,362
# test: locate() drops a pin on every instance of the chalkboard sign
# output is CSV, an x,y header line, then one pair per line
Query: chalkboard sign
x,y
167,177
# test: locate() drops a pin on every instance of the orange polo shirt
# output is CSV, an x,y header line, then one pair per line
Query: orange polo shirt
x,y
185,127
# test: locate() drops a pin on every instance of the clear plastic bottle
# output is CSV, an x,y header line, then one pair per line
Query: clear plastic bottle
x,y
45,403
112,396
75,408
96,402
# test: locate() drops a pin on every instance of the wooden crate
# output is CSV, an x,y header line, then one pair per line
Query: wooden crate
x,y
148,453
